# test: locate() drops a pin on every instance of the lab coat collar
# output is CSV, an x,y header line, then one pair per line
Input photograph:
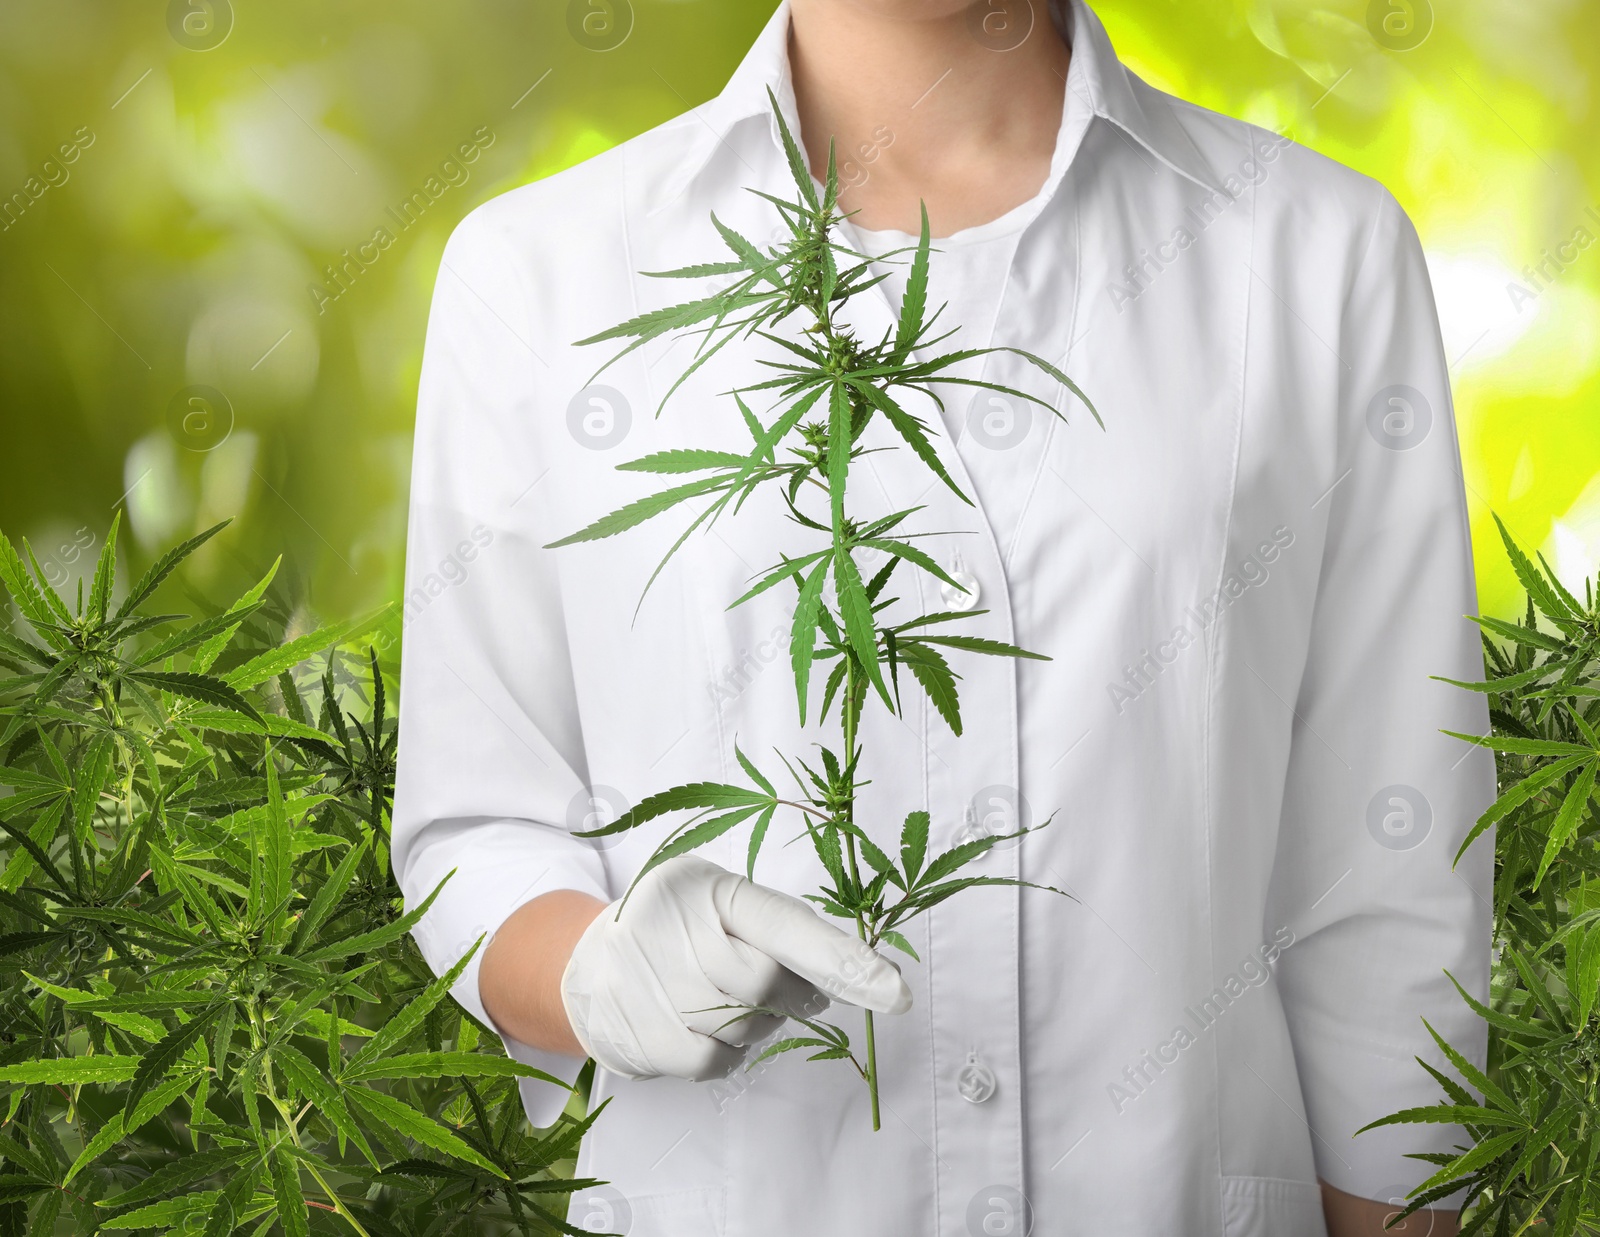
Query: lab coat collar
x,y
1097,81
1142,113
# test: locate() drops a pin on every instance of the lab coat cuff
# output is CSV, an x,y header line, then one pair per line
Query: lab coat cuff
x,y
1376,1164
476,903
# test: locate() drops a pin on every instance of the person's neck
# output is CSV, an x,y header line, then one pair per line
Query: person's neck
x,y
919,108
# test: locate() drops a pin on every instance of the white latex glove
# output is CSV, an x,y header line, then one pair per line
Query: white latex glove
x,y
640,991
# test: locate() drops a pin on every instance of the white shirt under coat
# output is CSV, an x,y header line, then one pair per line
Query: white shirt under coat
x,y
1244,581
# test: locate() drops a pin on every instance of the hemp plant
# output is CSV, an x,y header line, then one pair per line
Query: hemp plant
x,y
1533,1156
213,1018
828,388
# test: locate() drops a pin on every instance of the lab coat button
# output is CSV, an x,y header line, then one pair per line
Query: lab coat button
x,y
976,1081
954,598
971,831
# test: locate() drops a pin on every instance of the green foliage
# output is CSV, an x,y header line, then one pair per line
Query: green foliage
x,y
829,387
1535,1155
213,1018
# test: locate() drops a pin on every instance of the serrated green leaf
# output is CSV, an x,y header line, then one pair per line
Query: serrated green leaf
x,y
194,634
20,1187
119,1126
936,678
1530,636
1533,581
683,459
1445,1114
914,303
25,1158
271,664
19,866
1516,796
798,168
914,844
695,795
162,568
1524,747
155,1064
323,902
276,851
860,628
376,938
287,1195
409,1017
913,432
317,1088
1567,819
445,1065
803,632
637,512
228,721
409,1123
911,554
71,1071
94,772
178,1174
753,773
976,644
105,570
691,838
201,687
1490,1092
30,599
206,655
230,1212
758,834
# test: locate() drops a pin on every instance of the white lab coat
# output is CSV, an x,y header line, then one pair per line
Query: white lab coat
x,y
1245,582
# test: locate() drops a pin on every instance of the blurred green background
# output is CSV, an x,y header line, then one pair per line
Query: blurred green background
x,y
175,180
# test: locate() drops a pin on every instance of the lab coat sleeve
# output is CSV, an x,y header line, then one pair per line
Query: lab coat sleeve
x,y
490,752
1377,800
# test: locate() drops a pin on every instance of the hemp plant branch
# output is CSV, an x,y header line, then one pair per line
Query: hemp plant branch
x,y
827,390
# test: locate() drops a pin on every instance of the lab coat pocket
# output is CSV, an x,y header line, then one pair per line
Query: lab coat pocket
x,y
674,1213
1271,1207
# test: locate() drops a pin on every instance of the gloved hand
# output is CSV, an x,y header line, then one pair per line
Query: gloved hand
x,y
640,991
